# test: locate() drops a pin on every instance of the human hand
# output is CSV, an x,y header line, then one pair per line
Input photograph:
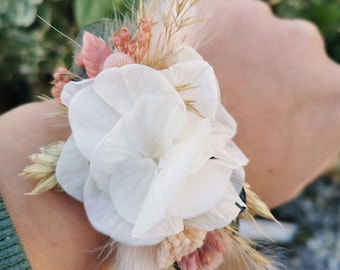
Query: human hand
x,y
282,89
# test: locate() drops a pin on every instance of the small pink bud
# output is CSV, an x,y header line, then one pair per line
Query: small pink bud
x,y
117,59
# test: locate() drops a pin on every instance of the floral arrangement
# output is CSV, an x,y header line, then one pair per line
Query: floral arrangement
x,y
151,154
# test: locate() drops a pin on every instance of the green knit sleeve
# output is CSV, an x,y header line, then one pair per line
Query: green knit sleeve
x,y
12,254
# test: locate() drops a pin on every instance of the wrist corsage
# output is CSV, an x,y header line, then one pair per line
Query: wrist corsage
x,y
151,154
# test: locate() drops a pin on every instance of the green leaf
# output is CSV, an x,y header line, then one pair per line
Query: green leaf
x,y
87,11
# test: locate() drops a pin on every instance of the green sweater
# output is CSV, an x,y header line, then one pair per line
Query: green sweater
x,y
12,254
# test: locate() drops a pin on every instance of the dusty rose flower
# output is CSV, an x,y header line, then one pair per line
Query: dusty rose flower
x,y
61,77
210,255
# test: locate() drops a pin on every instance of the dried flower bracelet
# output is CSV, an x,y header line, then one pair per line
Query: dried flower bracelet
x,y
151,154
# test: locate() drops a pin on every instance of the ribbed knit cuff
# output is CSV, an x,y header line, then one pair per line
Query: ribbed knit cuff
x,y
12,254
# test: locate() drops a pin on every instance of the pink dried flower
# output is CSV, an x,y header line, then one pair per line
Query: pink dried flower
x,y
210,255
61,77
117,59
56,90
78,60
121,40
189,262
93,54
219,241
60,74
138,46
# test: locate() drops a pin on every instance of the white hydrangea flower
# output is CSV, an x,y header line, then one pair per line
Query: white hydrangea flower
x,y
143,161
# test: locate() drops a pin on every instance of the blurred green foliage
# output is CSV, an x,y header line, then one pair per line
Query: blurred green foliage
x,y
30,50
20,13
88,11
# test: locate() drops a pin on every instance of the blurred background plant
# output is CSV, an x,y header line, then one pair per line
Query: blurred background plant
x,y
30,50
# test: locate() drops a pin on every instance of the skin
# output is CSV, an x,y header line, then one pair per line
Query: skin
x,y
282,89
53,227
275,79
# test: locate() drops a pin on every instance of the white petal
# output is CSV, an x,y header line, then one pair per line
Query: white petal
x,y
237,179
188,54
111,151
217,218
170,180
223,129
72,170
205,92
90,119
202,150
167,226
236,153
130,140
224,123
72,88
121,87
202,191
131,145
105,219
222,215
131,180
230,154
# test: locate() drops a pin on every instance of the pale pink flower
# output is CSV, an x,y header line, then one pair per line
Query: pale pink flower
x,y
61,77
210,255
92,55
